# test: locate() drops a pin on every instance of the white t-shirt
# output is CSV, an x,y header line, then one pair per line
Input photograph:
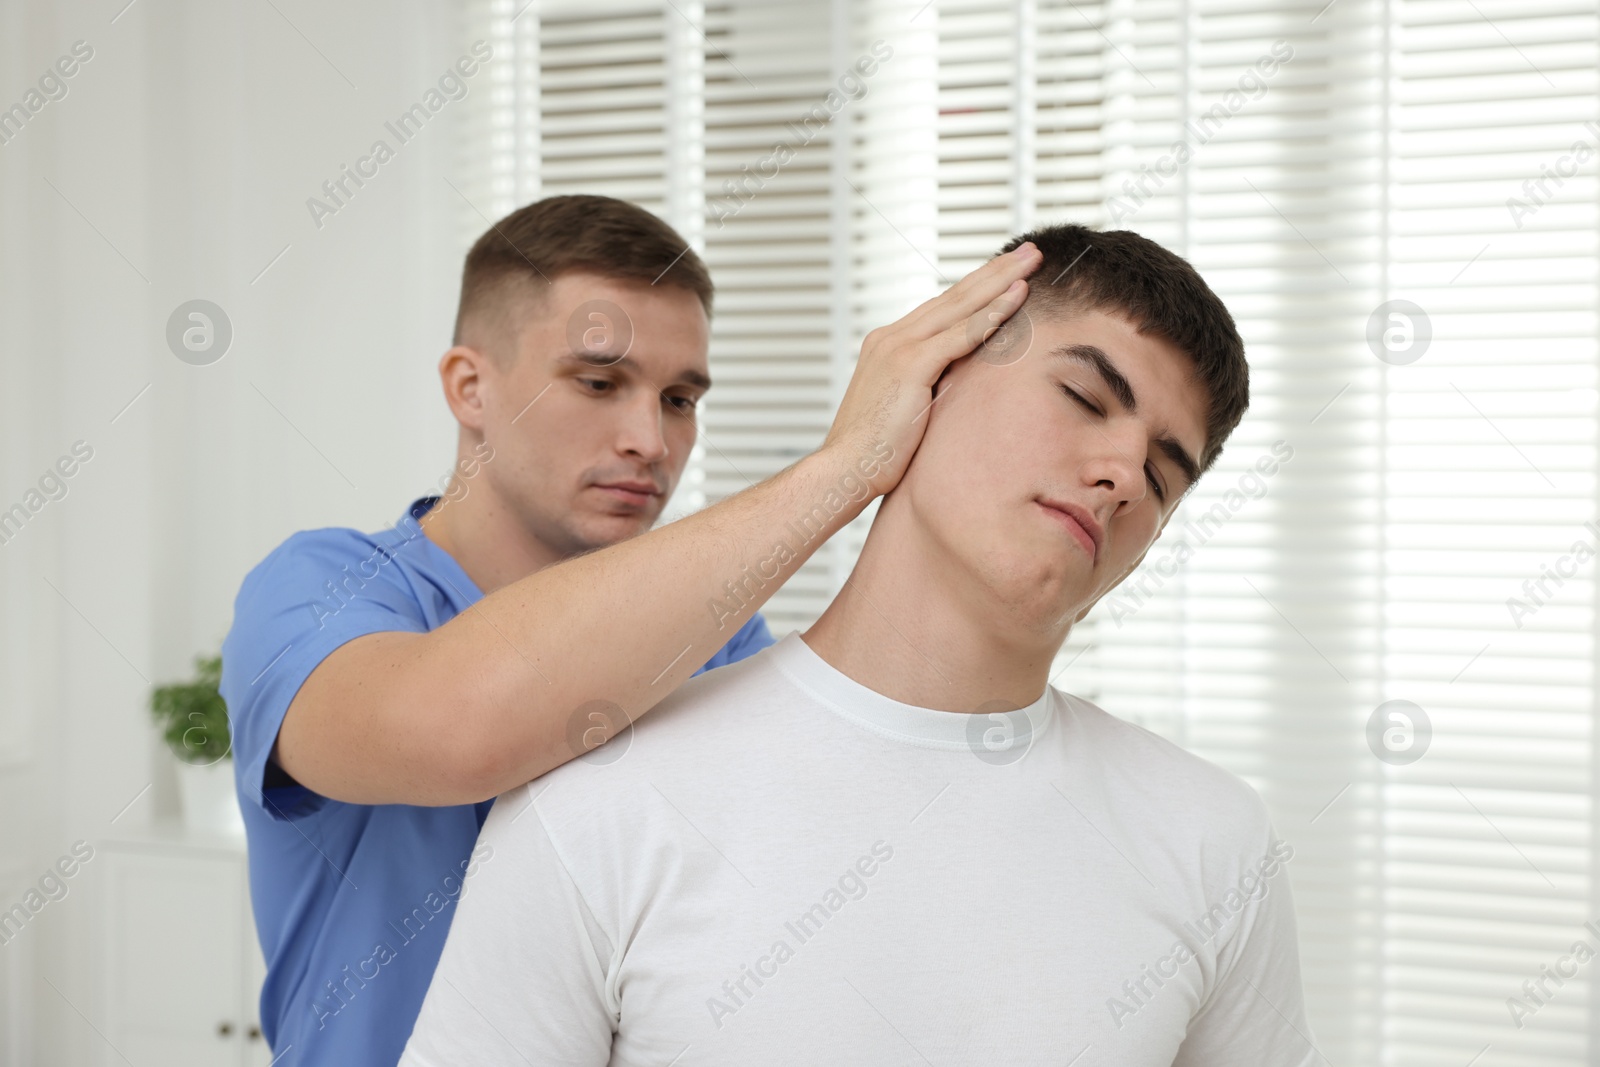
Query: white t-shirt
x,y
779,865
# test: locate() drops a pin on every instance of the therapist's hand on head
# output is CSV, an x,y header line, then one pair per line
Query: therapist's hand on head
x,y
892,387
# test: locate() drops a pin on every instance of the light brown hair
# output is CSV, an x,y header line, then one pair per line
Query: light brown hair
x,y
551,237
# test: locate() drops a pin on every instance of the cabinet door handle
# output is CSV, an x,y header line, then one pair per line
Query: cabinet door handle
x,y
254,1033
224,1029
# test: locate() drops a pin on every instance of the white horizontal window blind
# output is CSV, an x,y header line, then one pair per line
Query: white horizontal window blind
x,y
1020,106
1398,201
1423,401
1489,465
769,241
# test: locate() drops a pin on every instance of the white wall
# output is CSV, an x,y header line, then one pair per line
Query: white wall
x,y
187,147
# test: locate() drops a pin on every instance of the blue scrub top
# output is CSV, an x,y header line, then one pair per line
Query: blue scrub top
x,y
352,902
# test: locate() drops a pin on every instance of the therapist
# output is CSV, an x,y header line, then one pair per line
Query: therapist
x,y
384,687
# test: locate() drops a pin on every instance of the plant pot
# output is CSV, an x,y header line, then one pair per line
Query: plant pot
x,y
209,803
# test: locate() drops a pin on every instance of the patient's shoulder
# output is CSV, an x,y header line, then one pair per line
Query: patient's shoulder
x,y
1135,762
619,809
709,723
749,680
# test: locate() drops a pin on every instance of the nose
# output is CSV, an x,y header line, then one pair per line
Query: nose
x,y
1115,472
641,434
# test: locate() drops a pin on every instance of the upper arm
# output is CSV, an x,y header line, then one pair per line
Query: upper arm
x,y
315,676
527,965
355,732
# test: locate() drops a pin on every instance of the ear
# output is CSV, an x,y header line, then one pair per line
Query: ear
x,y
464,372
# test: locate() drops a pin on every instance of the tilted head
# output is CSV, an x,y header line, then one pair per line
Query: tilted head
x,y
1106,396
579,357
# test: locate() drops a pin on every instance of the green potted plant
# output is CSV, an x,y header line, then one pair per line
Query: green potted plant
x,y
194,722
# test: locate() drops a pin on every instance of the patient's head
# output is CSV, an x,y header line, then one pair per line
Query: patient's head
x,y
1113,389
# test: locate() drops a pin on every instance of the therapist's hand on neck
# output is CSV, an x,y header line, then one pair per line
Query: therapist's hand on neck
x,y
585,604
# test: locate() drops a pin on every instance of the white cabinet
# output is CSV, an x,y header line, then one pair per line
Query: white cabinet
x,y
178,961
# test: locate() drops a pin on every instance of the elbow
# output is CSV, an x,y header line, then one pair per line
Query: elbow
x,y
481,762
462,744
481,776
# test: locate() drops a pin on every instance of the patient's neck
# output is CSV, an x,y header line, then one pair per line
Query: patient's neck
x,y
913,624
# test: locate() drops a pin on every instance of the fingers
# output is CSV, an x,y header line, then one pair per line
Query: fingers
x,y
964,288
973,292
965,335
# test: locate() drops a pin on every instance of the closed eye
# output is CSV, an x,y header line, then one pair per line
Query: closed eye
x,y
1150,473
1079,397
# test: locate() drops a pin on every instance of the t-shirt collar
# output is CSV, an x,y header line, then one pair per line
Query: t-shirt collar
x,y
979,732
440,559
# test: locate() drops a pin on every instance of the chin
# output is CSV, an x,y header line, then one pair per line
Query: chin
x,y
1033,589
606,530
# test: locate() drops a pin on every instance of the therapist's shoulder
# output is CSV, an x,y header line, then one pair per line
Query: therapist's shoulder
x,y
309,562
312,593
308,554
335,580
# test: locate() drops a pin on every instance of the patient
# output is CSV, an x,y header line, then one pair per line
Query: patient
x,y
888,840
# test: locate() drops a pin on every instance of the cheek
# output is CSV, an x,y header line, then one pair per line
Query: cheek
x,y
680,435
565,420
552,441
680,431
1024,442
974,455
1131,535
951,457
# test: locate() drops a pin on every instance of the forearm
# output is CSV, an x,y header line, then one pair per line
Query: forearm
x,y
538,671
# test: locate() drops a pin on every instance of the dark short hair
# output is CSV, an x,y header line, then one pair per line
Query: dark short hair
x,y
1121,272
559,234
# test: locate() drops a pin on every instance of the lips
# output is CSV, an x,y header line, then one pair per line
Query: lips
x,y
1078,522
638,494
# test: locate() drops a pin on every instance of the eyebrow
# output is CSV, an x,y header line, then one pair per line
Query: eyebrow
x,y
601,360
1096,359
